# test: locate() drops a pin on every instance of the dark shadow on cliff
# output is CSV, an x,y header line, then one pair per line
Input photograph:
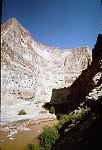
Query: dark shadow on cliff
x,y
88,140
61,108
86,135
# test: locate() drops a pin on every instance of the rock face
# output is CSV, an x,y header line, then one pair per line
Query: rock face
x,y
89,83
30,70
86,90
91,78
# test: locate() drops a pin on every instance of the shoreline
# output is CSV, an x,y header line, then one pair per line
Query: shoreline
x,y
24,125
12,139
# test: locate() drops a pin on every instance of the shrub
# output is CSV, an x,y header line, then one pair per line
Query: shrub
x,y
52,110
22,112
72,116
33,146
48,137
85,111
66,118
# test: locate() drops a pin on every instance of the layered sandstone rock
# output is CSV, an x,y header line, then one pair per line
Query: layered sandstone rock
x,y
30,70
88,84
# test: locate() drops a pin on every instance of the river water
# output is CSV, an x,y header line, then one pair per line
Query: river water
x,y
22,138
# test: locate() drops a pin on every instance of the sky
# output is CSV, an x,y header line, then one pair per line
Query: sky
x,y
60,23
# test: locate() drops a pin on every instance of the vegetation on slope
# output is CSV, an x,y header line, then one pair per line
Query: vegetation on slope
x,y
51,135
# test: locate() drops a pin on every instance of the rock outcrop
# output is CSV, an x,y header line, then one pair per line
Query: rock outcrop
x,y
30,70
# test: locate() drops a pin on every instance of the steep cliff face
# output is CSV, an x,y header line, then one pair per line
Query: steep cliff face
x,y
30,70
90,79
86,91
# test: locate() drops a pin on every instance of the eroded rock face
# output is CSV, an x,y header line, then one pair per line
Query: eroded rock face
x,y
88,83
30,70
91,78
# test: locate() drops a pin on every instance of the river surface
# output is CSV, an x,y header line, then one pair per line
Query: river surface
x,y
22,138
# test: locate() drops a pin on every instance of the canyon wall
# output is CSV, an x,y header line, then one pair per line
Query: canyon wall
x,y
88,84
30,70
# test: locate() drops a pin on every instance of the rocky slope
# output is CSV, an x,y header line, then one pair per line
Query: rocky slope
x,y
30,70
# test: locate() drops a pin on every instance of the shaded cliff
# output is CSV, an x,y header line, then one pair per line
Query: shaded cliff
x,y
88,80
86,91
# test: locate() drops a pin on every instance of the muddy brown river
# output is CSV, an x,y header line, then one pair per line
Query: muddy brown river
x,y
22,138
